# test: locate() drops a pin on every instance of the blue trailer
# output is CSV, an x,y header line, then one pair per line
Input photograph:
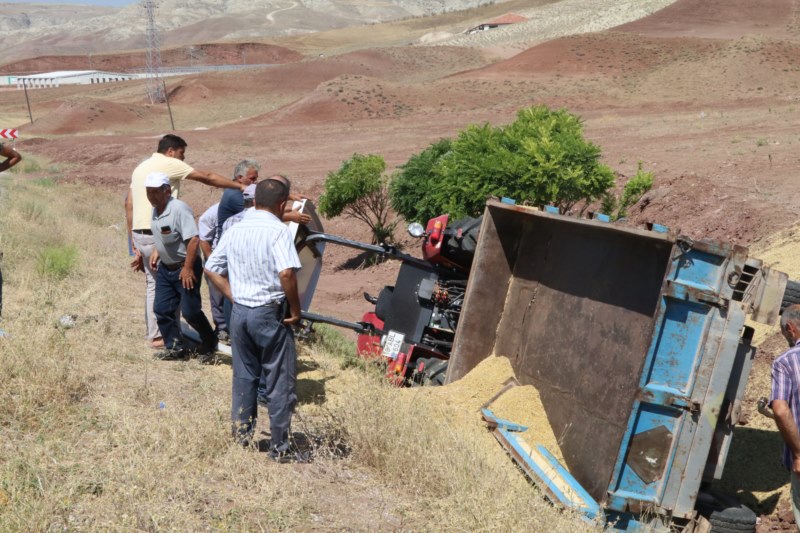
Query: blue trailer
x,y
636,341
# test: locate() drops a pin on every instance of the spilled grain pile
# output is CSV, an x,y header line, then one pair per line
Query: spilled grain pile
x,y
520,404
524,406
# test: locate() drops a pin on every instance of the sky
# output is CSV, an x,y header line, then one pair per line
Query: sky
x,y
109,3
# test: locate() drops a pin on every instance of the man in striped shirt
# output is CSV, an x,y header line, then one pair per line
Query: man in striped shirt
x,y
785,399
254,265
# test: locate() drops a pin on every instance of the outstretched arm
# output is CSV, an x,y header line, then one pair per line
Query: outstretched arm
x,y
214,180
11,155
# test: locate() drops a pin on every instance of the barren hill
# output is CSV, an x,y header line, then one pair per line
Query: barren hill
x,y
31,30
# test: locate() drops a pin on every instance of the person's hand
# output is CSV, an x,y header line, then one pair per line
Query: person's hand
x,y
154,261
137,265
187,278
796,465
292,319
296,216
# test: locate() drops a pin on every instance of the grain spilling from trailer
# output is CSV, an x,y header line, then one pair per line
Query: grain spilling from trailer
x,y
633,340
523,405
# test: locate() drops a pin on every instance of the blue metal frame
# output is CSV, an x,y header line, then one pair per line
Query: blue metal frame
x,y
683,381
551,484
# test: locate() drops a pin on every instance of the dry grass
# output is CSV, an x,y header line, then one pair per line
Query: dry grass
x,y
96,435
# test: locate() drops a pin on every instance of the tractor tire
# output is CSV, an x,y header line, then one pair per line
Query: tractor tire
x,y
725,513
435,370
792,294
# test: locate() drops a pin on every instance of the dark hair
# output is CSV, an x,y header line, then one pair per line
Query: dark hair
x,y
170,141
270,193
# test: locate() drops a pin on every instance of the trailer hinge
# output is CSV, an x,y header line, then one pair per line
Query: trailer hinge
x,y
682,402
682,291
668,396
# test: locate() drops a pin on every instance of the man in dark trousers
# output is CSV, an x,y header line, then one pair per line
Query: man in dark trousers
x,y
178,271
254,265
168,159
785,400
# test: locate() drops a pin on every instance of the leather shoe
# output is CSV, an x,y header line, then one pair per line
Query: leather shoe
x,y
170,355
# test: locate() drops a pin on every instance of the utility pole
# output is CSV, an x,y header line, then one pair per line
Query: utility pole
x,y
155,90
27,100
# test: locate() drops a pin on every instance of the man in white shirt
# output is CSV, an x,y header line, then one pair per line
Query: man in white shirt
x,y
207,226
254,265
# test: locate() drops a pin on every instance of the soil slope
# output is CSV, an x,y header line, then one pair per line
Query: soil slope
x,y
703,94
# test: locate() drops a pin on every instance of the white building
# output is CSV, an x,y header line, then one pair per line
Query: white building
x,y
71,77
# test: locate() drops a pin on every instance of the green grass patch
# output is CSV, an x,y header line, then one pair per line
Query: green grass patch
x,y
333,342
46,182
28,165
57,262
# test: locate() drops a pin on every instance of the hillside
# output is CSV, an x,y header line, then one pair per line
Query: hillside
x,y
31,30
702,93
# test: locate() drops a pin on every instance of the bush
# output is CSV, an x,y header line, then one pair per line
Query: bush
x,y
411,189
359,190
540,158
617,207
57,262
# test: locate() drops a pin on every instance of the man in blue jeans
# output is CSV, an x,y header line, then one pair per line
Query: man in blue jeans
x,y
178,271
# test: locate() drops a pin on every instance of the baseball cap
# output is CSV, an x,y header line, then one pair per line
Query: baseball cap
x,y
250,192
156,180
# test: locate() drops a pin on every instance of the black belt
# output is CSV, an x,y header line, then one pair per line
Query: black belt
x,y
172,268
143,231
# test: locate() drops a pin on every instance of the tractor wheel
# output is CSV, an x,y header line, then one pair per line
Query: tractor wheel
x,y
725,513
792,294
433,373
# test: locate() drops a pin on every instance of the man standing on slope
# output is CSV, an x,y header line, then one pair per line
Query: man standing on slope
x,y
785,400
12,158
168,159
178,270
254,265
207,226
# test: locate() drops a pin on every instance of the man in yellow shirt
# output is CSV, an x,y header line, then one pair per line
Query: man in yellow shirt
x,y
168,159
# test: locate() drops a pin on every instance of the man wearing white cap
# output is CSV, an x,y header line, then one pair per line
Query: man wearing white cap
x,y
169,160
178,271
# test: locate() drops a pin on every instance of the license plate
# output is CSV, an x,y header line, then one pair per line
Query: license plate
x,y
394,343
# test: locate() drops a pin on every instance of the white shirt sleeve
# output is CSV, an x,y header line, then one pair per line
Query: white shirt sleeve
x,y
218,260
285,251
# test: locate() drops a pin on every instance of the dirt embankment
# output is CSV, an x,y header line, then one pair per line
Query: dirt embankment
x,y
190,55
